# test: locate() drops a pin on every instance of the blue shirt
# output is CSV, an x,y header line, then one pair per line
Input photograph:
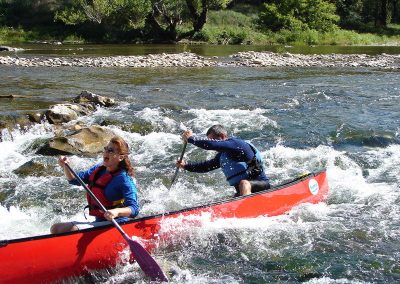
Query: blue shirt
x,y
237,149
120,186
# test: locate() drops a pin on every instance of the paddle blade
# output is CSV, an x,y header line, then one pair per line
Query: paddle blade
x,y
149,266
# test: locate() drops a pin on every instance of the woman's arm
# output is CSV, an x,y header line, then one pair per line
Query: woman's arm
x,y
62,161
118,212
123,186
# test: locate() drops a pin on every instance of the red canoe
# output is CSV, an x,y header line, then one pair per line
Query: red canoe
x,y
50,258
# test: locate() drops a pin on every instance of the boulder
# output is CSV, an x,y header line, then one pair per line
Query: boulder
x,y
36,117
88,141
88,97
10,121
37,168
5,48
61,113
15,121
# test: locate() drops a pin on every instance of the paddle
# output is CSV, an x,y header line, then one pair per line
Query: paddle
x,y
143,258
177,168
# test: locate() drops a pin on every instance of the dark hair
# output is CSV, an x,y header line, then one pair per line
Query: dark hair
x,y
217,130
123,149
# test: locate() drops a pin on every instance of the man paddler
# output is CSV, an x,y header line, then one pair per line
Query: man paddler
x,y
239,160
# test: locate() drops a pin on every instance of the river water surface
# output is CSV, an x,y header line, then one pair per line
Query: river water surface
x,y
346,120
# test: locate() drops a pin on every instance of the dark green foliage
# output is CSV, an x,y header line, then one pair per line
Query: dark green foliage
x,y
299,15
28,13
172,20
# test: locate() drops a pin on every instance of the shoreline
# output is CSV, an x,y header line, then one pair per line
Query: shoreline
x,y
188,60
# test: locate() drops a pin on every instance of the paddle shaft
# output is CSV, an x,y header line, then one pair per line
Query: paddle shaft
x,y
180,159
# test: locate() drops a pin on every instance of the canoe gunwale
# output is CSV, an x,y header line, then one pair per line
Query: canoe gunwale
x,y
280,186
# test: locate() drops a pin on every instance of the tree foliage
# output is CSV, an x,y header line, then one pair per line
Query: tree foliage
x,y
129,12
299,15
171,20
167,15
198,10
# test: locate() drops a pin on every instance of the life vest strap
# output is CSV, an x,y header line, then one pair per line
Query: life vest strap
x,y
254,167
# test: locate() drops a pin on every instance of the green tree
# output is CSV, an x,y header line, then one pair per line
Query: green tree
x,y
350,12
198,10
28,13
381,13
395,11
318,15
167,15
107,19
358,14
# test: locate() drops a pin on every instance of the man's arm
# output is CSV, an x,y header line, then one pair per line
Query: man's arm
x,y
211,144
203,167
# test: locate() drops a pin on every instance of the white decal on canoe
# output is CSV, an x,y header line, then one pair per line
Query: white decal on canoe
x,y
313,186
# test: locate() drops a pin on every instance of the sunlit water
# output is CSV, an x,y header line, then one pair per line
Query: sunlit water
x,y
302,119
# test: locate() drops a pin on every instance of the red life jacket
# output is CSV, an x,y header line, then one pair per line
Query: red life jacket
x,y
97,185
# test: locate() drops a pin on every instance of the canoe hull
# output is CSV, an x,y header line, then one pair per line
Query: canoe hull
x,y
49,258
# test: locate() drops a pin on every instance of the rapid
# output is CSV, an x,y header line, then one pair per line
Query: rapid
x,y
346,120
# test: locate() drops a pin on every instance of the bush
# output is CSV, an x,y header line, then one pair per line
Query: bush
x,y
299,15
201,36
230,27
231,37
14,35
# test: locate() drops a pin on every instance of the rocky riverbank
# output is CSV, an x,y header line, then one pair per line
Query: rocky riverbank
x,y
265,59
250,59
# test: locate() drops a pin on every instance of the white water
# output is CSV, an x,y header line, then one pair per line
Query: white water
x,y
359,217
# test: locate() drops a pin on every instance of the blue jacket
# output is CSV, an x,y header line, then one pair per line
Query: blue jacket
x,y
234,157
121,186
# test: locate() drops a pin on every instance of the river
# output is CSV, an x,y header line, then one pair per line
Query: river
x,y
346,120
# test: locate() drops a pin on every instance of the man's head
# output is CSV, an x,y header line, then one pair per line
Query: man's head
x,y
217,132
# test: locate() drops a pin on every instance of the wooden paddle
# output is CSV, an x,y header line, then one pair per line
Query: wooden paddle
x,y
143,258
177,168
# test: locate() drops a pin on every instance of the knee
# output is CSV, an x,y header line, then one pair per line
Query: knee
x,y
244,187
54,229
244,183
58,228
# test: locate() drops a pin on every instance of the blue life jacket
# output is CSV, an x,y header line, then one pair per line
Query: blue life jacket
x,y
235,171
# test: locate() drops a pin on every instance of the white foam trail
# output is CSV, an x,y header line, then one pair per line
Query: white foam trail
x,y
153,146
15,222
261,232
384,161
286,162
156,117
11,154
239,119
101,113
327,280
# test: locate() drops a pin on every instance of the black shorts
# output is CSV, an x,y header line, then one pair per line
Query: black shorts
x,y
256,186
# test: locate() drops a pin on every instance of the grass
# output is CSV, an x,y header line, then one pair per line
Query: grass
x,y
231,27
10,35
234,26
14,35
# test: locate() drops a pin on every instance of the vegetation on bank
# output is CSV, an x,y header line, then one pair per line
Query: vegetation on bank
x,y
295,22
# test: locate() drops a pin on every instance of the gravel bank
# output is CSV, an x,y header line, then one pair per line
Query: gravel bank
x,y
250,59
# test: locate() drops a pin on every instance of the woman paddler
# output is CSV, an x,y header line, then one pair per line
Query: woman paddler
x,y
112,182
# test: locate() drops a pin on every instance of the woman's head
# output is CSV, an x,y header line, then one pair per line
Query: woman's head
x,y
116,155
